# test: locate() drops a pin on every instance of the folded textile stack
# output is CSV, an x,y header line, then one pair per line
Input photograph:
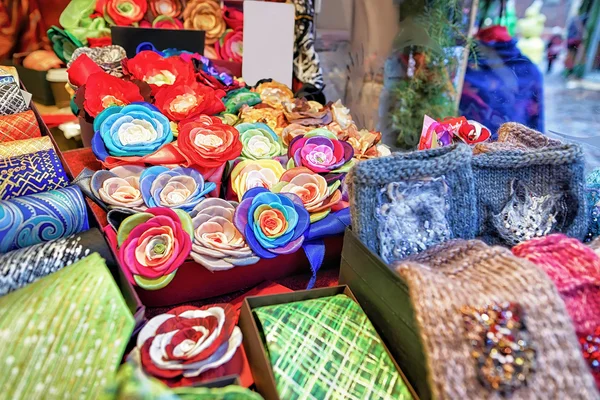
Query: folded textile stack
x,y
36,202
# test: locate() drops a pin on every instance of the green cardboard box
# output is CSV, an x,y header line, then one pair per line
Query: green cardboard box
x,y
384,297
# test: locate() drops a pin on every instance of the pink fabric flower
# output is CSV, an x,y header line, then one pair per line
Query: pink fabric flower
x,y
320,151
153,244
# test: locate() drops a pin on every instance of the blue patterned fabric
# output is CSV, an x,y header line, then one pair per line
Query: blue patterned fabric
x,y
31,173
502,85
406,202
37,218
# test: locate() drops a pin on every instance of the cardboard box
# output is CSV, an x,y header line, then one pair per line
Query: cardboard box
x,y
253,342
386,300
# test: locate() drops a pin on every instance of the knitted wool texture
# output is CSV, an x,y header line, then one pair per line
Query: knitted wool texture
x,y
592,190
575,270
543,165
452,164
461,273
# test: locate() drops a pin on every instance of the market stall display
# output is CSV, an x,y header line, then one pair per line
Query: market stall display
x,y
129,269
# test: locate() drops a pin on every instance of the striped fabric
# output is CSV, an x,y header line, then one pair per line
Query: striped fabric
x,y
326,348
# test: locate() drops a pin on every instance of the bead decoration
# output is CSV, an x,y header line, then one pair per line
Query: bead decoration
x,y
590,346
500,346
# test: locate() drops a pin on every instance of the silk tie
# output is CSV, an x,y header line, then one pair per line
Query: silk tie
x,y
326,348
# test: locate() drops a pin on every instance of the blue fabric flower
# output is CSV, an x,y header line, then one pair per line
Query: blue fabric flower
x,y
181,188
272,223
137,129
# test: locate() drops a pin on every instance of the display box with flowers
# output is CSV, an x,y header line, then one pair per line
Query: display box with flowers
x,y
214,186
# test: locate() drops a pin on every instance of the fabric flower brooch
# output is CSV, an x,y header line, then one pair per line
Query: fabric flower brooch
x,y
125,12
272,223
153,244
205,15
157,71
133,130
249,174
186,101
320,151
190,342
181,188
316,195
259,141
103,91
208,144
138,188
218,245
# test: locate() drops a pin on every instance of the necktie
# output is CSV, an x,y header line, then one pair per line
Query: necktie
x,y
326,348
37,218
31,173
64,335
21,267
25,146
19,126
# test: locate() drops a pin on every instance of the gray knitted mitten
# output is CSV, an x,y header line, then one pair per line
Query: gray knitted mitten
x,y
407,202
528,186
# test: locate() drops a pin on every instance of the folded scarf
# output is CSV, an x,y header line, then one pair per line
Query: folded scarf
x,y
31,173
492,325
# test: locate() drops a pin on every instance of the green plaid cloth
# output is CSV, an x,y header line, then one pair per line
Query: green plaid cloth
x,y
326,348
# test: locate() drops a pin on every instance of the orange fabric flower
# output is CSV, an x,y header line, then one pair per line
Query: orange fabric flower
x,y
205,15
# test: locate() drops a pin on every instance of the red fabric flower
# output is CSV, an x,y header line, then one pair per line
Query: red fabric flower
x,y
100,6
183,101
81,69
233,18
103,90
208,146
157,71
125,12
189,342
99,42
229,47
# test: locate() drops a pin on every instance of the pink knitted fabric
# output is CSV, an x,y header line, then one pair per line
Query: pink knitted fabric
x,y
575,270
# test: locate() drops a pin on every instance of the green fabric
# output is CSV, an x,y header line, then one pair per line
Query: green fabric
x,y
132,383
231,392
63,336
326,348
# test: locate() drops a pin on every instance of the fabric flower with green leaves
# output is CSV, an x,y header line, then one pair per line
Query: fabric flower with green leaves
x,y
63,43
259,141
